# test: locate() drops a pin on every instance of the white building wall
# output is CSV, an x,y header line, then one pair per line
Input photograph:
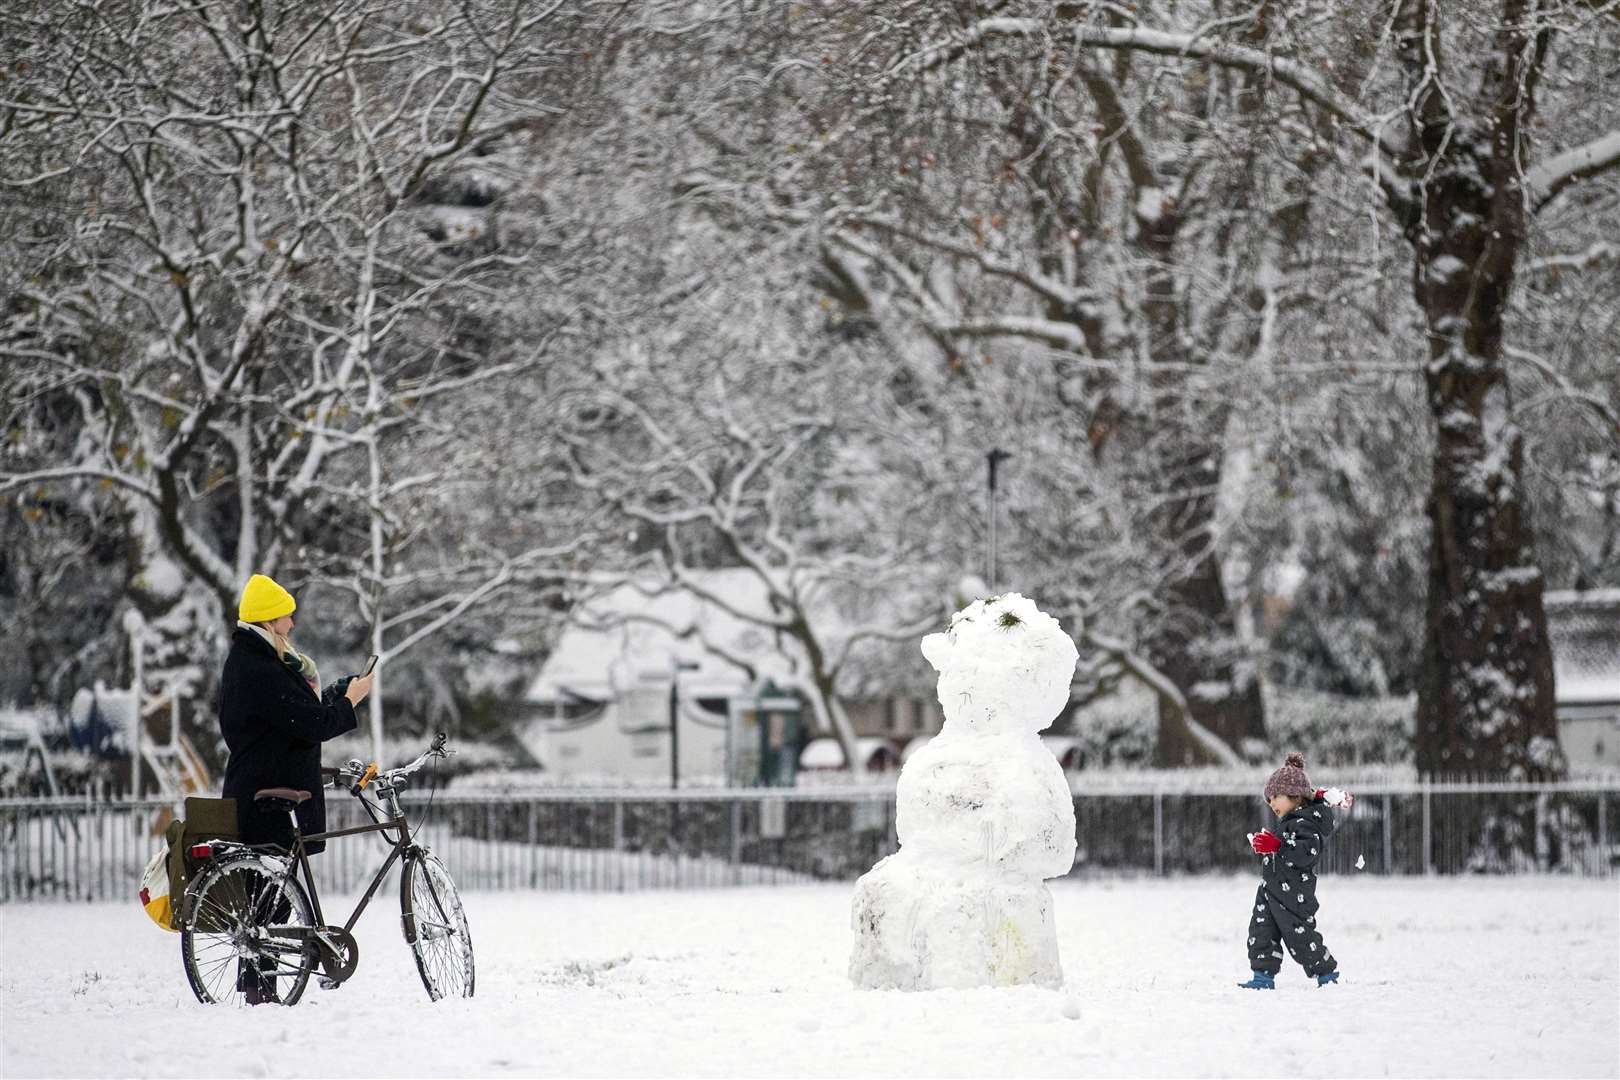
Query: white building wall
x,y
1591,741
629,744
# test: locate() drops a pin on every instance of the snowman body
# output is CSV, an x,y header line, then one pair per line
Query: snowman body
x,y
984,816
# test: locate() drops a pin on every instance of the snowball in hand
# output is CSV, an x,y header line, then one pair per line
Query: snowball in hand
x,y
984,814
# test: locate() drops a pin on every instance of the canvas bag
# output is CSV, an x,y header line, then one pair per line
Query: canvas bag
x,y
170,870
155,880
206,819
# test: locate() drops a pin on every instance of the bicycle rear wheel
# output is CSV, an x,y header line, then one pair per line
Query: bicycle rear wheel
x,y
436,927
229,941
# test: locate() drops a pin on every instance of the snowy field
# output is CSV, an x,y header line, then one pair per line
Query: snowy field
x,y
1471,977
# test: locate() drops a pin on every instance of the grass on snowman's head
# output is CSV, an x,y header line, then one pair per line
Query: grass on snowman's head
x,y
1008,620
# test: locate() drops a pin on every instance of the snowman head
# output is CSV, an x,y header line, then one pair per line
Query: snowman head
x,y
1004,666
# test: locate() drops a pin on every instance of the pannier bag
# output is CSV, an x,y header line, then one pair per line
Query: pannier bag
x,y
155,882
171,868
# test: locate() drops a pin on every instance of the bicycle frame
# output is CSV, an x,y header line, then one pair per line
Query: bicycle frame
x,y
401,844
336,945
400,847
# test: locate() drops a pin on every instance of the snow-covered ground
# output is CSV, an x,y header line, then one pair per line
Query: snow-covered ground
x,y
1450,977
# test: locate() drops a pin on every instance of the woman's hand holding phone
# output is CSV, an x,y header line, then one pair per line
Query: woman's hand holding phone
x,y
360,685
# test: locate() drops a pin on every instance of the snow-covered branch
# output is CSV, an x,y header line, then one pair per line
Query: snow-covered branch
x,y
1595,256
1302,78
946,324
1603,410
89,471
1550,178
468,599
1043,285
1168,694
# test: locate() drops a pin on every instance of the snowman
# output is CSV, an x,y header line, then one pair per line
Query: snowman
x,y
984,816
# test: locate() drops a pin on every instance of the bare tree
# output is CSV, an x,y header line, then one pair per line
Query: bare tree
x,y
232,269
727,441
1458,170
1011,201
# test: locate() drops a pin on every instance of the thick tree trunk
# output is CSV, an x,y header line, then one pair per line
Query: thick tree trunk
x,y
1485,692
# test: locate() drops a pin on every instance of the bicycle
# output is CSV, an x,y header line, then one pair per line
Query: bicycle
x,y
251,933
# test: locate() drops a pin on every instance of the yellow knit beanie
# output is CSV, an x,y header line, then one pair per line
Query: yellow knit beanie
x,y
264,600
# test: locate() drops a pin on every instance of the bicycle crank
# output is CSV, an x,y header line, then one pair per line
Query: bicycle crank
x,y
339,953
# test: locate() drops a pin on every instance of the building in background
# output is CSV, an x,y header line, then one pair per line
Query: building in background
x,y
600,709
1585,631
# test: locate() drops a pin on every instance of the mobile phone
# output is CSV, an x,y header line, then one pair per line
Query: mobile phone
x,y
371,662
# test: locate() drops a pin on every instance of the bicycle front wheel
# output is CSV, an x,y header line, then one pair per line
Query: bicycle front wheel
x,y
436,927
244,939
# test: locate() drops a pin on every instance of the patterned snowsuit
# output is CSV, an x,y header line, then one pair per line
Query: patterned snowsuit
x,y
1285,905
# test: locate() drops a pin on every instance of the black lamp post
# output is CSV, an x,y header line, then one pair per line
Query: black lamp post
x,y
994,457
674,721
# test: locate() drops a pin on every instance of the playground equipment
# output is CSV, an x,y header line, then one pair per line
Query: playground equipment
x,y
176,767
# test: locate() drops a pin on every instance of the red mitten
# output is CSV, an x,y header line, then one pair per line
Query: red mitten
x,y
1264,842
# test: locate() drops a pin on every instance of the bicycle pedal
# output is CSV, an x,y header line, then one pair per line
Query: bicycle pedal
x,y
329,984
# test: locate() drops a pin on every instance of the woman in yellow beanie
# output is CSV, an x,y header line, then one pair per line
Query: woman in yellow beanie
x,y
274,717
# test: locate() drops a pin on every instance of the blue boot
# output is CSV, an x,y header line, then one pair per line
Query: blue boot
x,y
1260,981
1330,977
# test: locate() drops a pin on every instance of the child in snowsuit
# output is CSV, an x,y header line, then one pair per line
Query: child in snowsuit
x,y
1284,914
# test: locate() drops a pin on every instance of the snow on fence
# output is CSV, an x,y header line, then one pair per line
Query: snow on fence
x,y
626,840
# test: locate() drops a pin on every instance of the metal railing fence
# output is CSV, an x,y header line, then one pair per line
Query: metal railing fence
x,y
623,840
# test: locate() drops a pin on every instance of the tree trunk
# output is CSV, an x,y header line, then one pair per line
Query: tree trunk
x,y
1485,692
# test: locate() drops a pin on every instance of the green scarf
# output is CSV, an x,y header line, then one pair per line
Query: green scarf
x,y
303,666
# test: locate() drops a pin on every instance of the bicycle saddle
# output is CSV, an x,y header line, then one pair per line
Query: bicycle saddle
x,y
280,798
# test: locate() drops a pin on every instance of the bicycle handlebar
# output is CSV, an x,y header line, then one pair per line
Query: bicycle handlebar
x,y
435,749
353,769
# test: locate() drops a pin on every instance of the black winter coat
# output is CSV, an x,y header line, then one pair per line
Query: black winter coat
x,y
1290,874
274,725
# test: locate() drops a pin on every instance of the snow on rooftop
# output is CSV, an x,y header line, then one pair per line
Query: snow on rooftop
x,y
826,753
634,634
1586,689
1585,632
22,724
633,637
